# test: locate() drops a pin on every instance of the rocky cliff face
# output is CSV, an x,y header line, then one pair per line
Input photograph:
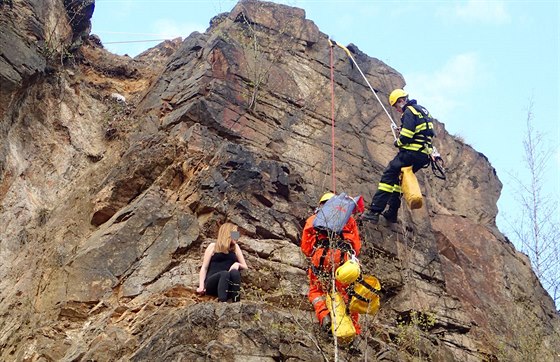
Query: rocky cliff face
x,y
107,205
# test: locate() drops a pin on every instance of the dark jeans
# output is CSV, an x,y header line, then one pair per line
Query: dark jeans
x,y
225,285
391,177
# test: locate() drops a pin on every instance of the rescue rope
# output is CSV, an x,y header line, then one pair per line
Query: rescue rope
x,y
332,118
435,158
332,291
393,124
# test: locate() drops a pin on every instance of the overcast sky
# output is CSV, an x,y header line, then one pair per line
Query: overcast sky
x,y
476,65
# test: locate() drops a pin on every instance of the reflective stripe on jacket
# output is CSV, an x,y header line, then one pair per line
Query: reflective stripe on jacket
x,y
417,129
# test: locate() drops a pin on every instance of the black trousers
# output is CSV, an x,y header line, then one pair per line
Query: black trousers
x,y
389,189
225,285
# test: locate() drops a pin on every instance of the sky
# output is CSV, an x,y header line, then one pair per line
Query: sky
x,y
477,65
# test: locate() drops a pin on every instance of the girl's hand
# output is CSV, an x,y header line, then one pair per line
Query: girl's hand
x,y
235,266
200,290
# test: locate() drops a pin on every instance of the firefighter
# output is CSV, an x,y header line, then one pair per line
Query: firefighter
x,y
315,244
415,146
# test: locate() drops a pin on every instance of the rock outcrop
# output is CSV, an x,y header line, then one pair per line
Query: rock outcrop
x,y
107,203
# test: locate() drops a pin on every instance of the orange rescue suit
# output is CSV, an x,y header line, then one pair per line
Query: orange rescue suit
x,y
317,295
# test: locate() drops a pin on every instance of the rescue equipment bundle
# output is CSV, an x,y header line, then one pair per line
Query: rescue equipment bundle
x,y
342,327
364,290
335,213
411,188
364,295
348,272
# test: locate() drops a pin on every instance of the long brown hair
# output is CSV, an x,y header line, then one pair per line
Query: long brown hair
x,y
224,244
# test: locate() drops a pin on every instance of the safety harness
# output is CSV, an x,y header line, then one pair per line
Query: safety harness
x,y
329,251
422,134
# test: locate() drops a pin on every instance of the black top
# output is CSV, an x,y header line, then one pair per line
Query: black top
x,y
220,262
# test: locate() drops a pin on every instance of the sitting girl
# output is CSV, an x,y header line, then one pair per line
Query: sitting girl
x,y
219,274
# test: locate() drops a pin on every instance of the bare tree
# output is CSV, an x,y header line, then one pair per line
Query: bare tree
x,y
537,227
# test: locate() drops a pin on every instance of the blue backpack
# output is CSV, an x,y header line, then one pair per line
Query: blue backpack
x,y
335,213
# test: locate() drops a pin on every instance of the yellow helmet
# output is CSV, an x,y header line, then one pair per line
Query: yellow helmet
x,y
348,272
326,196
395,95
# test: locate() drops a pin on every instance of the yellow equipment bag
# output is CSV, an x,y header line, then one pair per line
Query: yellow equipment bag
x,y
365,295
348,272
342,326
411,188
